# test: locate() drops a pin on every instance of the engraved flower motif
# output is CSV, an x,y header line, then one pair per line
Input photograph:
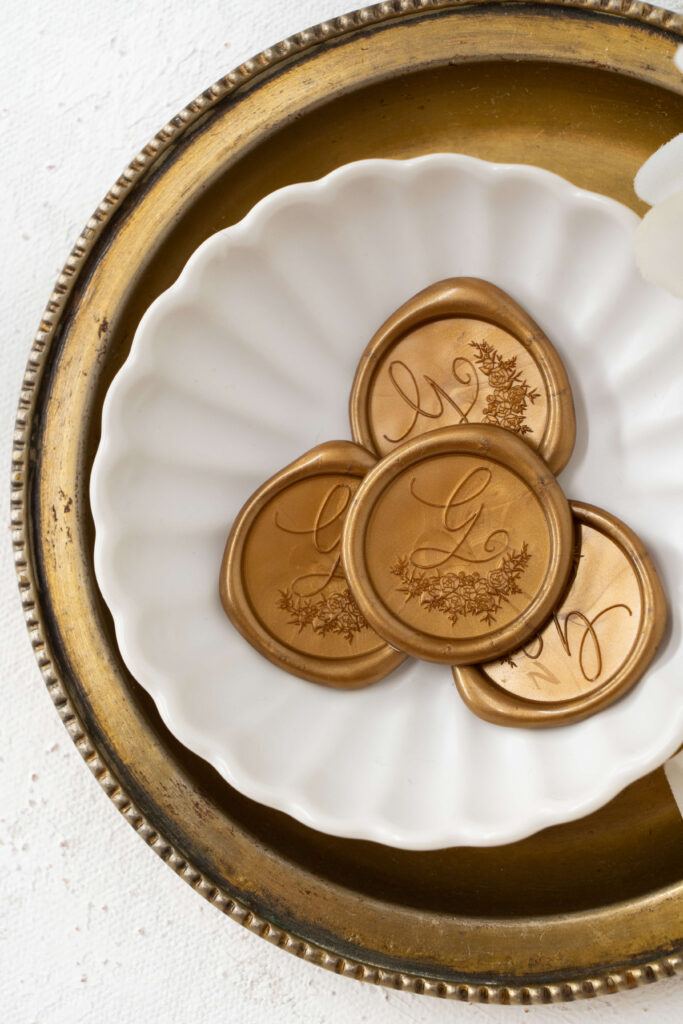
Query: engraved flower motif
x,y
517,398
464,594
335,613
512,421
498,579
498,377
506,405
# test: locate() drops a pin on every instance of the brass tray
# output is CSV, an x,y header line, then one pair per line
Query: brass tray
x,y
587,89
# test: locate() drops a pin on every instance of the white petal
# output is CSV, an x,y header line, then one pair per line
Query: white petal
x,y
662,173
659,245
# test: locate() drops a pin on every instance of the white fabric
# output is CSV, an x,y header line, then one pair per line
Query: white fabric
x,y
93,926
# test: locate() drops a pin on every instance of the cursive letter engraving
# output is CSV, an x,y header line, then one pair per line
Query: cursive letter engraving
x,y
506,403
470,487
330,513
458,594
335,610
408,390
588,636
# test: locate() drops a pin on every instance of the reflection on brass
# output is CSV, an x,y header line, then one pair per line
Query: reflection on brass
x,y
596,645
282,583
583,909
462,351
458,545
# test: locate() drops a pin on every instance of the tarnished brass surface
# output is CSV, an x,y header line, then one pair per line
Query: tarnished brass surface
x,y
462,351
458,545
282,583
589,907
597,644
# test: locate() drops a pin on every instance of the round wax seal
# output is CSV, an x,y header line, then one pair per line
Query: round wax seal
x,y
458,545
282,583
462,351
597,644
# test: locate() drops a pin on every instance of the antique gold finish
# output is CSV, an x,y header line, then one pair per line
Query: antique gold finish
x,y
281,581
586,908
462,351
597,644
458,545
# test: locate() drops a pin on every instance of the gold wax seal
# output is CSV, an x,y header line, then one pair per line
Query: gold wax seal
x,y
596,645
458,545
462,351
282,583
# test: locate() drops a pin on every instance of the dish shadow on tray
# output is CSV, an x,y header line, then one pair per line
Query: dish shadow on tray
x,y
567,868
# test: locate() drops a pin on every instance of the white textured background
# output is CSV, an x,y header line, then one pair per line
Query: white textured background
x,y
93,926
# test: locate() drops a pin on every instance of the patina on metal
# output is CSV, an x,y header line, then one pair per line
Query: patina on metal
x,y
586,908
598,642
462,351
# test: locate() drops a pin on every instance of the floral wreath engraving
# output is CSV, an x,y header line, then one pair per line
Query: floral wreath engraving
x,y
506,406
336,614
459,594
308,599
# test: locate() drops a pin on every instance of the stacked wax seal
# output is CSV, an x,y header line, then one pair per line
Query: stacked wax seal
x,y
443,533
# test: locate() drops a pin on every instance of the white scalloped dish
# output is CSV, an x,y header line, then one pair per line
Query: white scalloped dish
x,y
247,362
